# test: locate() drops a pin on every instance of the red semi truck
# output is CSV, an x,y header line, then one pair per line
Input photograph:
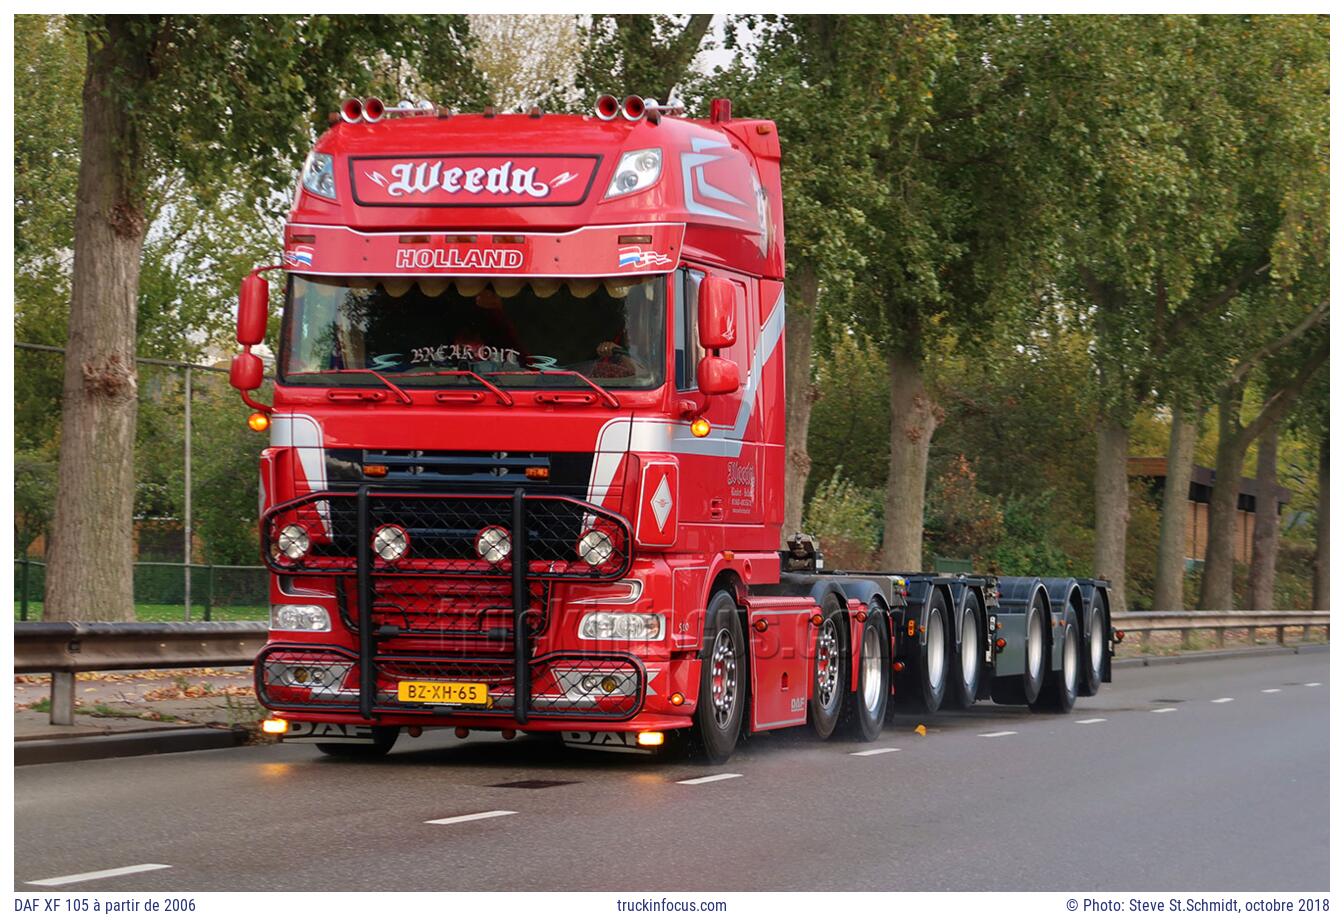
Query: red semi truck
x,y
526,462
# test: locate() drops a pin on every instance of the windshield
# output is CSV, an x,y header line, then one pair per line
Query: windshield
x,y
409,330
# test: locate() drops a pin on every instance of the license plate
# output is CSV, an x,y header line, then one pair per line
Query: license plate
x,y
443,693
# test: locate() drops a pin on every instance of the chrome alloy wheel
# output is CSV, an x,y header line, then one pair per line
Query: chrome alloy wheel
x,y
935,651
828,664
1098,643
870,676
723,677
970,643
1035,647
1071,659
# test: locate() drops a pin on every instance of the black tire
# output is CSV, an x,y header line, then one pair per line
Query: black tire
x,y
967,662
866,708
1061,687
931,657
383,739
723,683
830,669
1092,651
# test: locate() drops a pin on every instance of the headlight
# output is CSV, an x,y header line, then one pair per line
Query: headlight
x,y
493,544
595,547
637,170
300,617
630,627
319,176
292,542
391,542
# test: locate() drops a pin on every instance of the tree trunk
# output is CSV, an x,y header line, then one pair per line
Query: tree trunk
x,y
799,395
92,548
1215,589
1320,586
1169,590
1112,506
1265,540
914,416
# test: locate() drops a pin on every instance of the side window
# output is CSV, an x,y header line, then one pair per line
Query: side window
x,y
687,338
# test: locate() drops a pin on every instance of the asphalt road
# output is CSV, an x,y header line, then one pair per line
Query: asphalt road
x,y
1209,776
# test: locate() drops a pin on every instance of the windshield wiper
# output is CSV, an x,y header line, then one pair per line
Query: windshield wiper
x,y
401,394
606,394
504,398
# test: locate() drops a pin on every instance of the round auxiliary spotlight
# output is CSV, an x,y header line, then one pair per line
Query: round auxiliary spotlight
x,y
632,108
607,107
373,109
352,111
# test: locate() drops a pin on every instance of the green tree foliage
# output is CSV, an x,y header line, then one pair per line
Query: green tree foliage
x,y
641,54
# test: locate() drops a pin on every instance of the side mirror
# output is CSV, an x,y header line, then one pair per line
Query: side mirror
x,y
716,320
254,299
245,372
717,376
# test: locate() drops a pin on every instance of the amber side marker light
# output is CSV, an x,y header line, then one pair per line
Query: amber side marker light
x,y
275,726
700,427
677,699
538,472
649,739
258,421
375,469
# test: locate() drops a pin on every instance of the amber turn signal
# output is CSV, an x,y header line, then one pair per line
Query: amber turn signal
x,y
258,421
375,469
538,472
700,427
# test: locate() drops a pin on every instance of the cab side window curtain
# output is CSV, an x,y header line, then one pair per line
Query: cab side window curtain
x,y
689,352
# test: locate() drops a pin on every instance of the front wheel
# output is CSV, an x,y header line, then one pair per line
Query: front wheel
x,y
383,738
866,708
718,711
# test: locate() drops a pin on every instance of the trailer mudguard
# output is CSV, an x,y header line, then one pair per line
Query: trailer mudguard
x,y
1061,591
1015,597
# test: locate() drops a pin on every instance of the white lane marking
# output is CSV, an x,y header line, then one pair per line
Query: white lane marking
x,y
1272,690
996,734
101,873
1089,721
480,815
1222,699
707,779
1314,683
1165,709
873,751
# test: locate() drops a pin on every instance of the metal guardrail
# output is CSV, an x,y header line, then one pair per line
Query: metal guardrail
x,y
1141,623
63,649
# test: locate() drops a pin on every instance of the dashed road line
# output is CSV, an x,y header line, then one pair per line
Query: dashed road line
x,y
1089,721
873,751
1272,690
1164,709
996,734
1223,699
696,781
478,816
1314,683
101,873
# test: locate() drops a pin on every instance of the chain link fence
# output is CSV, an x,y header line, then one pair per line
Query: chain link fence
x,y
218,592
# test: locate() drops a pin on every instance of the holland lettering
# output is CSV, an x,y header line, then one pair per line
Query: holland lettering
x,y
460,258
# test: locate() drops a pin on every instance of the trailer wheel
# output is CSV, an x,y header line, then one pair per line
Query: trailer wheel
x,y
830,676
1061,687
723,681
384,737
1026,687
966,664
866,708
1092,653
931,665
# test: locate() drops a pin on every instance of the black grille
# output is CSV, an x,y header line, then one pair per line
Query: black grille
x,y
558,472
447,534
